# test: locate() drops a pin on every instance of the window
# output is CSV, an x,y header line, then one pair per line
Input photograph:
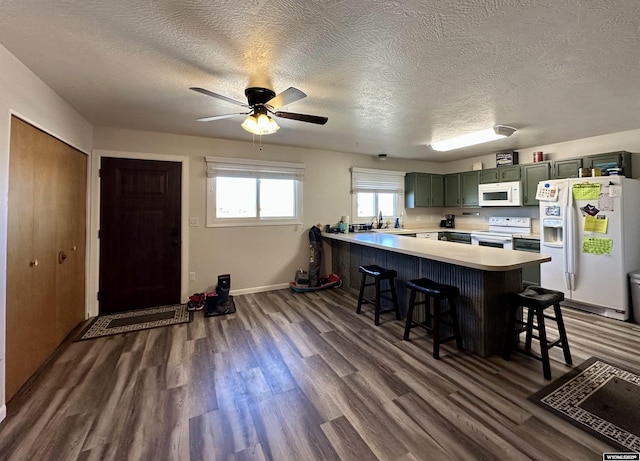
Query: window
x,y
376,191
253,192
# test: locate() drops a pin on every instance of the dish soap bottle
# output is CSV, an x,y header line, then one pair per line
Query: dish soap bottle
x,y
380,221
397,224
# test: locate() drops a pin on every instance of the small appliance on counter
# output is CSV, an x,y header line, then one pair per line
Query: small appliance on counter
x,y
449,221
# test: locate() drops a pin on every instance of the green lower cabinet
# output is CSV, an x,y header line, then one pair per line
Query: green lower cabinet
x,y
530,274
532,174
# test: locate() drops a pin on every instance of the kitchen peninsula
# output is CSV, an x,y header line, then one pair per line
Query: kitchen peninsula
x,y
484,276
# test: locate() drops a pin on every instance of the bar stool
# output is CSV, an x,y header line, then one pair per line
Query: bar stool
x,y
536,299
378,274
437,292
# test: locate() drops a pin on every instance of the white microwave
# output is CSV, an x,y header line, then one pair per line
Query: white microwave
x,y
500,194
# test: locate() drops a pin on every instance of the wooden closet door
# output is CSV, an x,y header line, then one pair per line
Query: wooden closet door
x,y
70,226
47,211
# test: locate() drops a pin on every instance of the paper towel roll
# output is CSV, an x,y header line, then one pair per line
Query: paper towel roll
x,y
345,220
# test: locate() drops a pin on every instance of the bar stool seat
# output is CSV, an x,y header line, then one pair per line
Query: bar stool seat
x,y
536,299
378,274
436,292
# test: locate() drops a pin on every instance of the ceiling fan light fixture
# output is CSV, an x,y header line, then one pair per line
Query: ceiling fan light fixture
x,y
471,139
260,125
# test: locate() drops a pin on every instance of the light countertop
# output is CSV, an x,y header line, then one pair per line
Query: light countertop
x,y
473,256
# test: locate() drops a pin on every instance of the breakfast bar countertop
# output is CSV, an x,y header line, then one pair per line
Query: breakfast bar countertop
x,y
472,256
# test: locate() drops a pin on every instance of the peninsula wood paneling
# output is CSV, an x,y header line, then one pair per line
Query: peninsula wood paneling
x,y
481,306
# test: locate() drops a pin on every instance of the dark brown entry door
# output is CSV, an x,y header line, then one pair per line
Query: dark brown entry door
x,y
140,241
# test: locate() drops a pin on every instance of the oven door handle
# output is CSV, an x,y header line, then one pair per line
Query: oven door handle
x,y
491,239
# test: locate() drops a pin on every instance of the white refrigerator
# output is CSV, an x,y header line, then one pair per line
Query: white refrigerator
x,y
591,229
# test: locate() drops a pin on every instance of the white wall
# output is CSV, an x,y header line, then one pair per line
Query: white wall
x,y
26,96
258,258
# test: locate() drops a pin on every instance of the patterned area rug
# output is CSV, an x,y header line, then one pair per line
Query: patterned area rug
x,y
143,319
600,398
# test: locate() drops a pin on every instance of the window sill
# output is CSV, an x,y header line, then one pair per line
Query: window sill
x,y
255,224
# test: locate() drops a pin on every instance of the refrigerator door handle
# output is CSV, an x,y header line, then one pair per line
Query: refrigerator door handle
x,y
569,259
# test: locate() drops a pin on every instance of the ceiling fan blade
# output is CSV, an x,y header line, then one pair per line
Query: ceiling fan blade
x,y
219,96
302,117
220,117
288,96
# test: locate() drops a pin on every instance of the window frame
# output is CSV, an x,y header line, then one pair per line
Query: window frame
x,y
377,182
253,169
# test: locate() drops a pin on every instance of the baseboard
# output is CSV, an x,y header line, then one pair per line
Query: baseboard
x,y
3,412
247,291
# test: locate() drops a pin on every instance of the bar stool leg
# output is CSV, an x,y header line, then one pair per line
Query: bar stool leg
x,y
454,322
394,297
407,326
511,331
361,295
377,304
527,342
563,334
435,319
544,344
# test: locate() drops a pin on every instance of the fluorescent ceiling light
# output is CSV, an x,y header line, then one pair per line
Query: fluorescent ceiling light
x,y
477,137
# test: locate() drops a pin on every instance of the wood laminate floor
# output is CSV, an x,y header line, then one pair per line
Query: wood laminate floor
x,y
296,376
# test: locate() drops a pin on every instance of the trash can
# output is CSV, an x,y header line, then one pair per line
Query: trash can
x,y
634,283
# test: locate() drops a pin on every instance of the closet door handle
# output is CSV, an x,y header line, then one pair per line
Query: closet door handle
x,y
33,262
61,257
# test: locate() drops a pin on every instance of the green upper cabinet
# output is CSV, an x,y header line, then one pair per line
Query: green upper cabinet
x,y
423,190
566,168
452,190
501,174
489,176
532,174
509,173
610,159
469,181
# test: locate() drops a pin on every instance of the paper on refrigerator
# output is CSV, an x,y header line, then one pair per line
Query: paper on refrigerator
x,y
597,245
586,191
595,224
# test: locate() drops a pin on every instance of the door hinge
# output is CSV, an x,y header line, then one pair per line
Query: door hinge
x,y
98,296
99,233
100,173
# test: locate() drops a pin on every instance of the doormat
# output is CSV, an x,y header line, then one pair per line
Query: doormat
x,y
600,398
143,319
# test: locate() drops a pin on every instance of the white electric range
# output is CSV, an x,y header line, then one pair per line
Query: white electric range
x,y
501,232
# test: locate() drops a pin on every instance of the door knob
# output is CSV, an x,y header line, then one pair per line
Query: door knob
x,y
61,257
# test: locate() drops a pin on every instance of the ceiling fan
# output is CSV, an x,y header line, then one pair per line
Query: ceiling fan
x,y
260,103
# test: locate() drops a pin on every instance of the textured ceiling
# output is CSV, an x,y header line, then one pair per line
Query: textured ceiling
x,y
392,75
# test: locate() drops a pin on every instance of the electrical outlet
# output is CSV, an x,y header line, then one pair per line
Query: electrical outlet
x,y
192,276
194,222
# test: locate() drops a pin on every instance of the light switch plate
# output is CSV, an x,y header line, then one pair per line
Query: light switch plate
x,y
192,276
194,222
